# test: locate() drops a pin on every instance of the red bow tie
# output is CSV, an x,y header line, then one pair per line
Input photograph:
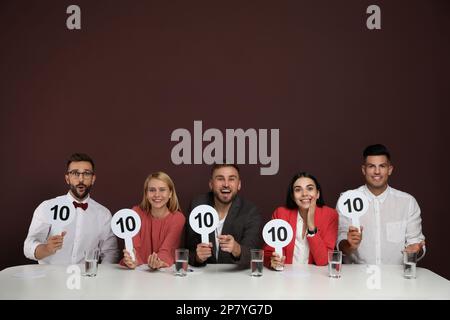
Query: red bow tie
x,y
80,205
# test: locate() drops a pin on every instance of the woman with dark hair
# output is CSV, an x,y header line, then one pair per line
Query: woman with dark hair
x,y
314,225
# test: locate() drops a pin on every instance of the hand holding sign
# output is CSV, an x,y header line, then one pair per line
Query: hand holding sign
x,y
203,220
277,233
353,204
59,213
125,224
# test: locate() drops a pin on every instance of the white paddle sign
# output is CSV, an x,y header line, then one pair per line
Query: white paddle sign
x,y
277,233
60,212
125,224
353,204
204,220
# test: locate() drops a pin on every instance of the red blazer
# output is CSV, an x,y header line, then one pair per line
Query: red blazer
x,y
326,221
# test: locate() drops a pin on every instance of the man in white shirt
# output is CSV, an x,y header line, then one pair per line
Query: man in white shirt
x,y
392,223
89,229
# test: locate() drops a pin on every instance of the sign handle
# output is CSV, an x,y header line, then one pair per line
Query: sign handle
x,y
205,238
355,223
57,230
279,251
129,247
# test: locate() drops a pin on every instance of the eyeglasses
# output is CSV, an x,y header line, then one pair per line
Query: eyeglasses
x,y
77,174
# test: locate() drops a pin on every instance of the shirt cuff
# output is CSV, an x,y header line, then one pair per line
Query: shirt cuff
x,y
32,250
341,237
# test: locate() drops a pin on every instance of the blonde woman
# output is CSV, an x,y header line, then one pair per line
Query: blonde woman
x,y
162,224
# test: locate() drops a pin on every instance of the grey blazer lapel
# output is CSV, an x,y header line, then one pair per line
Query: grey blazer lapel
x,y
232,215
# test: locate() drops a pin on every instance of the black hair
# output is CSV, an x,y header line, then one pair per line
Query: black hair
x,y
290,202
376,150
76,157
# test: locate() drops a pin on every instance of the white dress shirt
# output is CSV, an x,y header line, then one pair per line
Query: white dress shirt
x,y
391,222
301,246
218,233
90,228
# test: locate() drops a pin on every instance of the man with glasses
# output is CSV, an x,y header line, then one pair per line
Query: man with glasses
x,y
89,229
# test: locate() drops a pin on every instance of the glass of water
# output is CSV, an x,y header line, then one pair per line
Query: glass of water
x,y
91,262
409,264
334,263
256,264
181,262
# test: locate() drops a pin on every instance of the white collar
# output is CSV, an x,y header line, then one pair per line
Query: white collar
x,y
371,196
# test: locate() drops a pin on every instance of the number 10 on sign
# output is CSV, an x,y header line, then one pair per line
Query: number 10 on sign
x,y
125,224
353,204
204,220
277,233
61,213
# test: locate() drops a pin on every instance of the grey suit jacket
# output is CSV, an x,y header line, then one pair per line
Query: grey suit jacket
x,y
243,222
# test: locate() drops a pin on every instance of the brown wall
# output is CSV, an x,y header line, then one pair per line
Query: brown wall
x,y
140,69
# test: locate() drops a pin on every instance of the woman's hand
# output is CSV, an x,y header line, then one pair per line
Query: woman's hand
x,y
154,262
129,262
276,261
311,211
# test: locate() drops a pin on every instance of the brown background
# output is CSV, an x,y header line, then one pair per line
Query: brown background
x,y
140,69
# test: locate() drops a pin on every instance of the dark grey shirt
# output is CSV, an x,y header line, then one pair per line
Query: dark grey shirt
x,y
243,222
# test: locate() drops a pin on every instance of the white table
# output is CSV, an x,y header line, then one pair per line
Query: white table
x,y
222,282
